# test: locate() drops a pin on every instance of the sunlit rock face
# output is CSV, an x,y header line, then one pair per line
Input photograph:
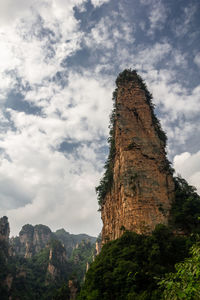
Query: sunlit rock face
x,y
143,189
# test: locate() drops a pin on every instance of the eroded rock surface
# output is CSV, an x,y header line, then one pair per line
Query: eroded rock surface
x,y
143,188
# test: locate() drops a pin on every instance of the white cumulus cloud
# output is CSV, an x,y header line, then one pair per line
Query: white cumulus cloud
x,y
188,165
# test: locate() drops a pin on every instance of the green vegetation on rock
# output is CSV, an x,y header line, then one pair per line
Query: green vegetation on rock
x,y
106,181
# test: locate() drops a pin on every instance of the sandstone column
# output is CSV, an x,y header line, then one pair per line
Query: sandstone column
x,y
142,184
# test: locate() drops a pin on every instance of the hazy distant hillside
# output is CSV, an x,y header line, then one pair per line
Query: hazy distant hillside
x,y
70,241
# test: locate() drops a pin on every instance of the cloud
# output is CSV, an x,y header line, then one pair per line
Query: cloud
x,y
188,165
197,59
54,182
97,3
183,23
33,48
178,106
59,187
157,17
61,58
148,57
109,32
157,14
12,10
47,184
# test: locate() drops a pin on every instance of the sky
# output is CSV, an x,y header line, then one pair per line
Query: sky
x,y
58,63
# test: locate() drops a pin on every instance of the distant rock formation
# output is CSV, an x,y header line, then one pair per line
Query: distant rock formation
x,y
4,229
71,241
57,260
43,262
31,240
141,187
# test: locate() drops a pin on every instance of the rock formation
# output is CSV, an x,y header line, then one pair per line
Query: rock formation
x,y
137,189
31,240
72,284
43,261
57,260
4,229
72,241
98,247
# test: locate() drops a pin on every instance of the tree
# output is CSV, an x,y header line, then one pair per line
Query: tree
x,y
185,282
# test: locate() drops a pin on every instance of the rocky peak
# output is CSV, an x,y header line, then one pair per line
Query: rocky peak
x,y
31,240
4,229
137,189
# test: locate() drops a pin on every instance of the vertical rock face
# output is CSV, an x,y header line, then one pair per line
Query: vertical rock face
x,y
57,261
73,289
142,187
98,247
4,229
31,240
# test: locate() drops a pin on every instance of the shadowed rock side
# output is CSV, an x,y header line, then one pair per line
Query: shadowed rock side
x,y
4,229
143,188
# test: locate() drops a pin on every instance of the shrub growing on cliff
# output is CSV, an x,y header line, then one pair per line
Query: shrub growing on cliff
x,y
106,181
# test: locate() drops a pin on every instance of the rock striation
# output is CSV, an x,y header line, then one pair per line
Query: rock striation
x,y
141,186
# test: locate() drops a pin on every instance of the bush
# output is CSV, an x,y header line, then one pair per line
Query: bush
x,y
185,282
128,266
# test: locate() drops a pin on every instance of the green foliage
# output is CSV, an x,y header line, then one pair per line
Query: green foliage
x,y
185,282
82,255
106,181
62,293
185,210
30,280
126,268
